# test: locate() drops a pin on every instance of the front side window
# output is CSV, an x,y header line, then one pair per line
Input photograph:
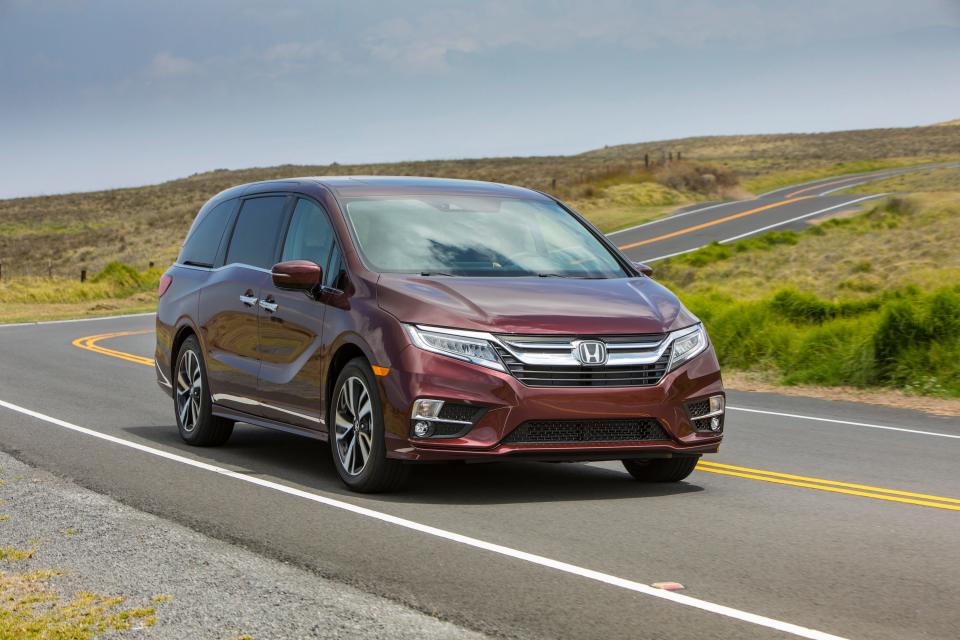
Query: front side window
x,y
310,235
476,236
257,232
200,249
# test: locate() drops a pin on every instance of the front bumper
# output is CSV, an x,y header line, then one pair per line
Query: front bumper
x,y
509,403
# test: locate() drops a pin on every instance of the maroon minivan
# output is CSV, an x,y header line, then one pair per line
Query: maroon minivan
x,y
410,320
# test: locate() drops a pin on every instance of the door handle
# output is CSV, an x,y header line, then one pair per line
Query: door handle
x,y
268,306
248,300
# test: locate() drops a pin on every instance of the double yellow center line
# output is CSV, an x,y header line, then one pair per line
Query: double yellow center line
x,y
849,488
712,223
90,344
865,491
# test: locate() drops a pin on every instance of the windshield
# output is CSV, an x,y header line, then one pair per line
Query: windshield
x,y
449,235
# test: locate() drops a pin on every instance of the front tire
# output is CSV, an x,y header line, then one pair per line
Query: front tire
x,y
191,400
662,469
357,441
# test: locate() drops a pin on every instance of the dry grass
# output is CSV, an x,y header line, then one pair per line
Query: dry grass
x,y
611,186
937,180
31,610
920,247
756,156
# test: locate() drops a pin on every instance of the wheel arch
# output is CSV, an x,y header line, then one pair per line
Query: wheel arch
x,y
184,331
348,350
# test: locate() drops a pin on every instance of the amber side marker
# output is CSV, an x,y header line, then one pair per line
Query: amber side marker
x,y
380,371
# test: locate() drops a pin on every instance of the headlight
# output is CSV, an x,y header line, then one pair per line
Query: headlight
x,y
688,344
468,346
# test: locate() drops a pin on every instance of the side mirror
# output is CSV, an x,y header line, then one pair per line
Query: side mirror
x,y
644,268
297,275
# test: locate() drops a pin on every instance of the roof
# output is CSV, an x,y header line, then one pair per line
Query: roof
x,y
356,186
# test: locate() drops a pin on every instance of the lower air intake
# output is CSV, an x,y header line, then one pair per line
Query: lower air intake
x,y
559,431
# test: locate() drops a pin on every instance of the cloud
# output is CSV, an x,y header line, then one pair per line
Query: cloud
x,y
167,65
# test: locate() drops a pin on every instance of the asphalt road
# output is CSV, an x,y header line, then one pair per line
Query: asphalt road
x,y
787,208
818,519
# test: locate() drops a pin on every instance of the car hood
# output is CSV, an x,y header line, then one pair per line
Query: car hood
x,y
534,305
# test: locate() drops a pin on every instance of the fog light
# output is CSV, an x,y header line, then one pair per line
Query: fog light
x,y
715,423
716,404
426,408
422,429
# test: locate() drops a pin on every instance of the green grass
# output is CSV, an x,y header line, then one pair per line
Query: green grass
x,y
870,300
904,339
118,288
116,280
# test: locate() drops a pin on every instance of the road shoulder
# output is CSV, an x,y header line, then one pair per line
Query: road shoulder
x,y
181,583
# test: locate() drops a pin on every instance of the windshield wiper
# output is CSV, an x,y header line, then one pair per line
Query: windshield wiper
x,y
563,275
437,273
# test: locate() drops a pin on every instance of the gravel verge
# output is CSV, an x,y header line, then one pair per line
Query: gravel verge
x,y
200,587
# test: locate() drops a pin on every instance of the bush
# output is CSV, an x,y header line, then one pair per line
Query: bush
x,y
904,339
706,179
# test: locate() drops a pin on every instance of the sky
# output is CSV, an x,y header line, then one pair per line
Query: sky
x,y
111,93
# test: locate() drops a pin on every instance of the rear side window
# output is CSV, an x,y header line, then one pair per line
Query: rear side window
x,y
257,231
310,236
201,247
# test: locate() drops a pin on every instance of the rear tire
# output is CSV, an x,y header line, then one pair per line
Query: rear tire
x,y
191,400
356,433
661,469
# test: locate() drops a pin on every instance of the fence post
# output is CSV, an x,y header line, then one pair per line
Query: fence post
x,y
50,269
679,155
83,275
646,161
553,183
151,264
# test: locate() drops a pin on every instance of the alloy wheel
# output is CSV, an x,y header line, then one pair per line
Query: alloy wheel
x,y
189,391
354,425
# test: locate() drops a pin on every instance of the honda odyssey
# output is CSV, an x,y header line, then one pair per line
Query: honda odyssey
x,y
408,320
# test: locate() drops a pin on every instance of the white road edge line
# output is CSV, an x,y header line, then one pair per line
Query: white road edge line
x,y
850,422
844,186
630,585
42,322
677,215
806,215
766,228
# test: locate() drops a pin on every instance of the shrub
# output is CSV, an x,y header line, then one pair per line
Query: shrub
x,y
905,339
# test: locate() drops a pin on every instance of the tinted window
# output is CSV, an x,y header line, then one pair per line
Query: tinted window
x,y
257,231
202,245
334,275
310,236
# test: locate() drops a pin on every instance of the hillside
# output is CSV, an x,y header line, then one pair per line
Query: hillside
x,y
66,233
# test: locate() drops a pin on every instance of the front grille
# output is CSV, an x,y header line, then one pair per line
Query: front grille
x,y
464,412
634,375
698,408
558,431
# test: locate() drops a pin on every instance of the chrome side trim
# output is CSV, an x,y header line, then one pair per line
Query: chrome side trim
x,y
217,397
427,419
226,266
